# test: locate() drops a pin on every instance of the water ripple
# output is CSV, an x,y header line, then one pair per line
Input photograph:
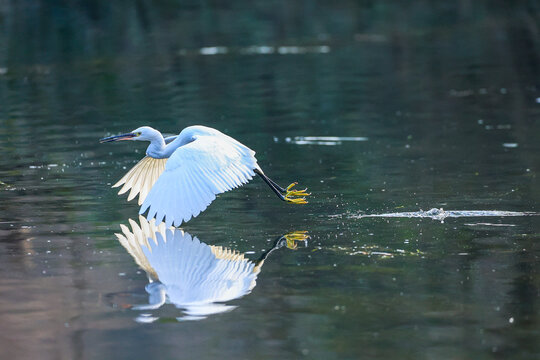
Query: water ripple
x,y
257,50
322,140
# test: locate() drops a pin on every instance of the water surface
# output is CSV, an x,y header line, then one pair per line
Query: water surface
x,y
378,108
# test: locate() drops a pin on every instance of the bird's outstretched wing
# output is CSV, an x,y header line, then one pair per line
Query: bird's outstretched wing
x,y
141,178
194,174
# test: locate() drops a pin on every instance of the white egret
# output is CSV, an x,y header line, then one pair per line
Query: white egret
x,y
181,175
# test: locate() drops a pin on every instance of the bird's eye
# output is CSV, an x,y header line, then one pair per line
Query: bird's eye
x,y
138,133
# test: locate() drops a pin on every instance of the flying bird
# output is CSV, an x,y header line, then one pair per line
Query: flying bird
x,y
182,174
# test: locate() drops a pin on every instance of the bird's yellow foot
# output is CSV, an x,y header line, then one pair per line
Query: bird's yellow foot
x,y
294,237
295,200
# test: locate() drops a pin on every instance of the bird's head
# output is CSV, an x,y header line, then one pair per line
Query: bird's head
x,y
143,133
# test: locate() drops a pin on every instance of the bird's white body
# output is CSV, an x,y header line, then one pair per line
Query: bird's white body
x,y
203,162
181,175
180,179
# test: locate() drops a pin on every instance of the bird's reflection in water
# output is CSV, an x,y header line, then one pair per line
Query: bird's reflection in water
x,y
190,274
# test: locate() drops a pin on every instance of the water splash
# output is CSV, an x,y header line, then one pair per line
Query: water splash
x,y
441,214
490,224
374,251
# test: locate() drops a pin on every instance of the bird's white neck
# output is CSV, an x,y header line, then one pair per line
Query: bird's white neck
x,y
156,149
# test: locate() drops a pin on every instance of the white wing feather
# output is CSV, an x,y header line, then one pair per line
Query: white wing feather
x,y
141,178
194,174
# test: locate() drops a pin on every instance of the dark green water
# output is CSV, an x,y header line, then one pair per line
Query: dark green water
x,y
446,96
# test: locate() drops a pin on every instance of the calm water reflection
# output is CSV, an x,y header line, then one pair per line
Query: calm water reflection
x,y
441,99
194,276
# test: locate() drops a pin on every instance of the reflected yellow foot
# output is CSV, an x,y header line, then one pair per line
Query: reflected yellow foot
x,y
294,237
295,200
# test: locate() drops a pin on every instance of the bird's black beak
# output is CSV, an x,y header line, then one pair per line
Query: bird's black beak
x,y
117,137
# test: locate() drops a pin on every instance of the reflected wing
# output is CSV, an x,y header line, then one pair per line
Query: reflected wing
x,y
194,174
193,274
141,178
226,254
140,236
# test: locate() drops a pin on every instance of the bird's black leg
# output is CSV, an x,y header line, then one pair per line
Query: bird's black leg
x,y
283,190
270,181
278,190
284,194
